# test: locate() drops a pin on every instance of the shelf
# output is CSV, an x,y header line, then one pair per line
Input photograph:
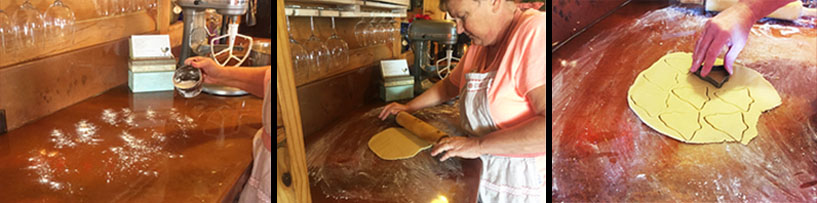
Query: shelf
x,y
310,12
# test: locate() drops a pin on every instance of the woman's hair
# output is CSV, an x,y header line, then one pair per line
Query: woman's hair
x,y
443,6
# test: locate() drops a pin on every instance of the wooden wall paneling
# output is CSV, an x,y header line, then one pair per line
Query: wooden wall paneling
x,y
66,75
39,88
163,16
288,99
325,101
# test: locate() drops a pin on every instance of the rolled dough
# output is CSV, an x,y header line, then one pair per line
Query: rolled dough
x,y
397,143
674,102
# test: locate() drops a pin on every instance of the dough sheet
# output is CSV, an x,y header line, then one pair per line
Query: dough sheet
x,y
676,103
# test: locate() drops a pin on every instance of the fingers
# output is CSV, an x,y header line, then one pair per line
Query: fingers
x,y
712,53
700,47
390,109
189,61
732,54
198,62
384,112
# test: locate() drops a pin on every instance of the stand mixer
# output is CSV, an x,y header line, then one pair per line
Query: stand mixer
x,y
421,33
231,10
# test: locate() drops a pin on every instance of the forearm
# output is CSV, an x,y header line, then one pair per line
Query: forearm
x,y
251,80
762,8
528,137
440,92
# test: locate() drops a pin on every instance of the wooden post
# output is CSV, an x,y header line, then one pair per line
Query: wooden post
x,y
290,114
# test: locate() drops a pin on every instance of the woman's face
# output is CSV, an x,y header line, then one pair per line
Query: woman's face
x,y
475,18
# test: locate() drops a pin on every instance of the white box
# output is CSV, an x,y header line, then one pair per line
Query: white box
x,y
150,81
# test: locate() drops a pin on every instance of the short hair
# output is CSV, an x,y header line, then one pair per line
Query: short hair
x,y
444,8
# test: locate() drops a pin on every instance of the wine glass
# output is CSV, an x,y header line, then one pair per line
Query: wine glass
x,y
121,6
384,33
60,23
389,36
361,33
338,48
102,7
138,5
301,60
320,53
5,33
29,26
152,4
372,32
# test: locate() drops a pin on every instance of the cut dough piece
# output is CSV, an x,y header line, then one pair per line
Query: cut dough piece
x,y
730,124
645,97
694,96
676,103
675,121
739,98
397,143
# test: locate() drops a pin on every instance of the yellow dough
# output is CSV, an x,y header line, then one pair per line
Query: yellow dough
x,y
675,102
397,143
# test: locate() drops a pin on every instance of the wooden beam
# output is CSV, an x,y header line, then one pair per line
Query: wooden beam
x,y
288,99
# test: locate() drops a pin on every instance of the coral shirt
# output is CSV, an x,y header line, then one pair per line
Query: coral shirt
x,y
519,65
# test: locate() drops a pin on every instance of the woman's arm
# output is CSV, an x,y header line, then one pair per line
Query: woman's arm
x,y
442,91
528,137
250,79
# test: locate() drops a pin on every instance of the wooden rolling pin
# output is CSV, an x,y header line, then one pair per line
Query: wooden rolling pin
x,y
791,11
420,128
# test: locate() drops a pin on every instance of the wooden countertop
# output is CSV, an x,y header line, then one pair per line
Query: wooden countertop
x,y
146,147
603,152
343,169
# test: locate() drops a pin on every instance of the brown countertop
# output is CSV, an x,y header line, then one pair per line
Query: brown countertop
x,y
125,147
343,169
603,152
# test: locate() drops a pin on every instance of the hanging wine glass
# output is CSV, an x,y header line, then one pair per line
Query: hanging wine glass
x,y
5,33
372,32
319,51
361,33
121,6
301,60
138,5
393,37
102,7
60,23
383,33
152,4
338,48
29,26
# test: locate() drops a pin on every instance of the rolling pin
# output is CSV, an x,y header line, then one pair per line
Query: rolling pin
x,y
420,128
790,11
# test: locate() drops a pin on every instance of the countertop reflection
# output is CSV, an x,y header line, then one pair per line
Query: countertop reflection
x,y
120,146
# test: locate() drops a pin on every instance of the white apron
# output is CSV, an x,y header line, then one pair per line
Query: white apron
x,y
503,179
259,186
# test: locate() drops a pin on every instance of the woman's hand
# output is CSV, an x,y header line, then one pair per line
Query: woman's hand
x,y
464,147
393,109
211,71
729,28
